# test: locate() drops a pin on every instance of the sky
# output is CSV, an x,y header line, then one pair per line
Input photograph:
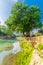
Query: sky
x,y
6,6
5,9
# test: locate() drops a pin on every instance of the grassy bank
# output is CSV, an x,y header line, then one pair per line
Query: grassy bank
x,y
21,58
40,48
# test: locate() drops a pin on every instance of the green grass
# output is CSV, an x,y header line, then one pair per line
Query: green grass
x,y
21,58
40,48
6,45
26,54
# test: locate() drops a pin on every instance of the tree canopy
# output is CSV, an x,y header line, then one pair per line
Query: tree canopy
x,y
24,18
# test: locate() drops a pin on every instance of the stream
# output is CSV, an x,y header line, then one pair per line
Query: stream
x,y
16,48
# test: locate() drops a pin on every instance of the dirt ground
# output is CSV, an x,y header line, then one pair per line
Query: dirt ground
x,y
36,59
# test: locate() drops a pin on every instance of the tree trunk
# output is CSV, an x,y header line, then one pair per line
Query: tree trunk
x,y
26,34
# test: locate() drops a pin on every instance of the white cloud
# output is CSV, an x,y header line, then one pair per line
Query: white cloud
x,y
1,21
14,0
5,9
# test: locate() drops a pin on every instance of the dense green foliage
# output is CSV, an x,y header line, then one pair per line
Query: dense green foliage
x,y
24,18
21,58
5,31
2,30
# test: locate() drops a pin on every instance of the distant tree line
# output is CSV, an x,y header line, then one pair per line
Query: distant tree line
x,y
5,32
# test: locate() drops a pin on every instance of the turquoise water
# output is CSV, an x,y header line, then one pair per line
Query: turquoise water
x,y
6,41
6,44
16,48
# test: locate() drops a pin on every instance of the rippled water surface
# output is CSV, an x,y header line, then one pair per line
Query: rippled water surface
x,y
16,48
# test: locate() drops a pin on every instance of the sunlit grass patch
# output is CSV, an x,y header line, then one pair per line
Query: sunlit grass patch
x,y
27,50
40,48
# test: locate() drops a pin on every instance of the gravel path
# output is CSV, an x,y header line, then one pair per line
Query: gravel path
x,y
36,60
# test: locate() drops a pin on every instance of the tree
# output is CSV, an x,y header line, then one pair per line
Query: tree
x,y
5,31
41,31
24,18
